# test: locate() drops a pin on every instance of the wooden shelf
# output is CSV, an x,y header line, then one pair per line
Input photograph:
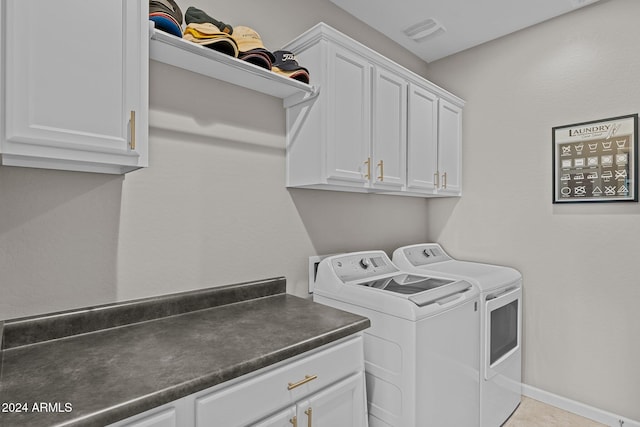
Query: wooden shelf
x,y
181,53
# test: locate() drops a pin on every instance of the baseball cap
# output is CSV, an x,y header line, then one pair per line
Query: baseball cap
x,y
251,47
257,57
287,65
166,23
170,7
207,34
194,15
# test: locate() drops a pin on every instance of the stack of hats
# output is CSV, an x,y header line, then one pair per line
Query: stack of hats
x,y
206,31
287,65
166,15
240,41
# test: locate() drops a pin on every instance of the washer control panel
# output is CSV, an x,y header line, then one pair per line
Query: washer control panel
x,y
362,265
425,254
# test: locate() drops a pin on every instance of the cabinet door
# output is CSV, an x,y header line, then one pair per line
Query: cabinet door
x,y
422,140
348,116
389,130
284,418
76,74
449,148
340,405
165,418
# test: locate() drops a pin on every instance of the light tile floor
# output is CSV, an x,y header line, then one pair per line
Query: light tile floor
x,y
532,413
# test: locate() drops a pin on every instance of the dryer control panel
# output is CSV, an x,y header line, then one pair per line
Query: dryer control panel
x,y
425,254
362,265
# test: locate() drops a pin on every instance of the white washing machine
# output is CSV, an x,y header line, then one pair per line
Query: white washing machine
x,y
500,323
421,351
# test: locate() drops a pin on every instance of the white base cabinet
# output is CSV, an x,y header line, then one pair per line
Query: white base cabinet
x,y
322,388
375,126
74,95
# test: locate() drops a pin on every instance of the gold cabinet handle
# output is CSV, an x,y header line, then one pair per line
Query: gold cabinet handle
x,y
436,178
368,163
132,127
294,421
309,413
306,379
381,165
444,180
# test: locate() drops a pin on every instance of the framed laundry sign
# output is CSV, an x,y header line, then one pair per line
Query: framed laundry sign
x,y
596,161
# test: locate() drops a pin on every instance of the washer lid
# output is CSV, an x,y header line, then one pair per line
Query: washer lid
x,y
420,290
406,284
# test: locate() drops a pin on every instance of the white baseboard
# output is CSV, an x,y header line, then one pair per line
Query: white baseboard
x,y
595,414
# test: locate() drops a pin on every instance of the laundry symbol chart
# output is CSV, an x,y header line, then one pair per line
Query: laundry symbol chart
x,y
596,160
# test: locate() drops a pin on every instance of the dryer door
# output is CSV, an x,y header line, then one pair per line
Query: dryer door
x,y
502,328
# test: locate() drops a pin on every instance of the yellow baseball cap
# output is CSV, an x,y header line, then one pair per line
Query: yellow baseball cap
x,y
247,38
207,34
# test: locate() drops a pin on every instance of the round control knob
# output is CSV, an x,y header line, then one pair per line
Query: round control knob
x,y
364,263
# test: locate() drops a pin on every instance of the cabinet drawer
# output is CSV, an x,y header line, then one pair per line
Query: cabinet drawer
x,y
263,394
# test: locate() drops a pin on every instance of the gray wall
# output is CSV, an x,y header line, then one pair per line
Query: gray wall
x,y
212,207
580,262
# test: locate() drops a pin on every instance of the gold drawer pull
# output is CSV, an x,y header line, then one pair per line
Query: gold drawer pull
x,y
308,412
132,126
306,379
381,165
368,163
294,421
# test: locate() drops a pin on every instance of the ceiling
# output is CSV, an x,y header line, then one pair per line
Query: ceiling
x,y
433,29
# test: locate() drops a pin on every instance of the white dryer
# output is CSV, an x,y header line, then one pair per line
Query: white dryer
x,y
500,323
421,358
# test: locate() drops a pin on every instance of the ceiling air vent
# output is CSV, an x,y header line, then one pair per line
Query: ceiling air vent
x,y
424,30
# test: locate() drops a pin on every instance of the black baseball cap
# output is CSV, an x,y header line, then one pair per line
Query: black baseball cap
x,y
194,15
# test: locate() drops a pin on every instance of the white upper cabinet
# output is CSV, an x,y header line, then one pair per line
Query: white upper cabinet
x,y
75,81
374,127
422,143
389,153
348,124
449,148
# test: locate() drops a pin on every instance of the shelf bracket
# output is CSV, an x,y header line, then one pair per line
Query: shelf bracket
x,y
294,100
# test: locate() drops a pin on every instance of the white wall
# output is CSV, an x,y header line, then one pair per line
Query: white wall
x,y
580,262
212,207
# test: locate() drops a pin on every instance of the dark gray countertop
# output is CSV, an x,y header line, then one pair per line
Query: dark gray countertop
x,y
106,375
